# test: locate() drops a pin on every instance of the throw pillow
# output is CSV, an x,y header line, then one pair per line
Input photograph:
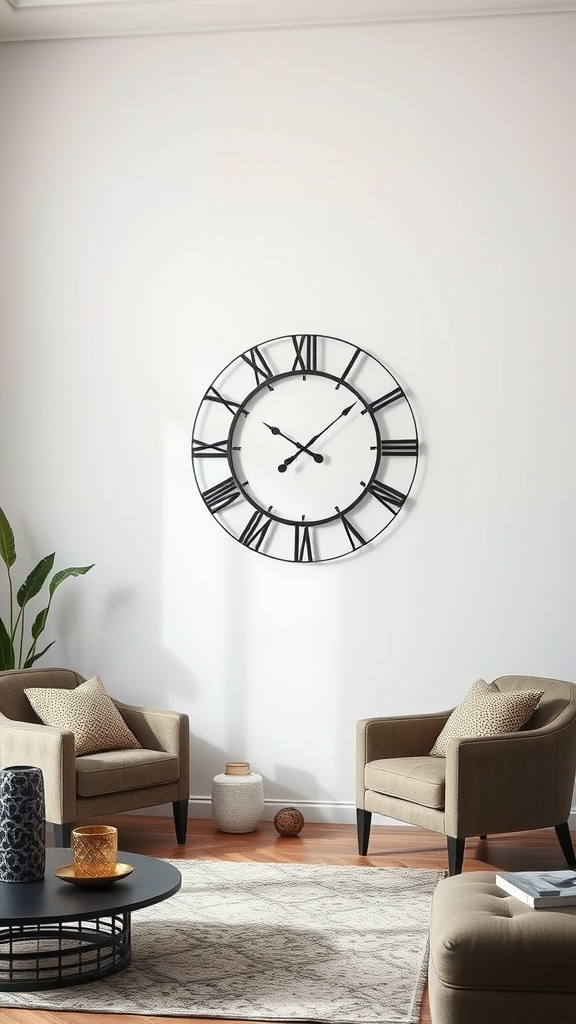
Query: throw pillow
x,y
479,688
88,711
487,711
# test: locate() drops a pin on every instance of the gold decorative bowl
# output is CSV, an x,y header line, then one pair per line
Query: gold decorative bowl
x,y
68,874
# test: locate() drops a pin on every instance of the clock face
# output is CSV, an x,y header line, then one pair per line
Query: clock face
x,y
304,448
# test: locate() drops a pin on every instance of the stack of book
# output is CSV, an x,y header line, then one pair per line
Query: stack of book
x,y
540,889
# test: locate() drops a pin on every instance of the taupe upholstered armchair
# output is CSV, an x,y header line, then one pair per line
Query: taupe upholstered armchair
x,y
508,783
103,783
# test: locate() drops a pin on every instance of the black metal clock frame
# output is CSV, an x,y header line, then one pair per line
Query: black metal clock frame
x,y
308,356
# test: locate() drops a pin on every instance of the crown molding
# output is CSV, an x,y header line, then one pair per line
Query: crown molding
x,y
70,19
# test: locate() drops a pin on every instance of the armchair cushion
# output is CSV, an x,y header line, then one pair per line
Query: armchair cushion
x,y
419,780
487,711
88,712
117,771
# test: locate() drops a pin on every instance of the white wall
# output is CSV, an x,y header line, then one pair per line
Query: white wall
x,y
168,202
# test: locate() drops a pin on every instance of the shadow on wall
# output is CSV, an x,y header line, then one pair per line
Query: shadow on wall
x,y
133,671
292,783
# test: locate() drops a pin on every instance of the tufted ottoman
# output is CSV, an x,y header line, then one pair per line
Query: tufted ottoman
x,y
494,960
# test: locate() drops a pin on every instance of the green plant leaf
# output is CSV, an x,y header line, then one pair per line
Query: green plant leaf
x,y
30,661
6,648
7,545
35,580
39,623
12,640
59,577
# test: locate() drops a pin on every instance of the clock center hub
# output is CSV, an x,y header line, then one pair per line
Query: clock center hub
x,y
305,448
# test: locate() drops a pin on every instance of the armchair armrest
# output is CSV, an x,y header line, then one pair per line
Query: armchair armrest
x,y
160,729
403,736
155,728
51,750
504,783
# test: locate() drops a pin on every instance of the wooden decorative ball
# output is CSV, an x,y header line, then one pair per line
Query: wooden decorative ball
x,y
288,821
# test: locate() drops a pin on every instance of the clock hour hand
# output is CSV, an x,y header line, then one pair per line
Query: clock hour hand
x,y
316,436
301,447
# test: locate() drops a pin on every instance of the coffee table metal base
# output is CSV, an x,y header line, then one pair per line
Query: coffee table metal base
x,y
54,954
53,934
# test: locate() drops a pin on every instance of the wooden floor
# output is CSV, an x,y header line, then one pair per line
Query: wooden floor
x,y
390,846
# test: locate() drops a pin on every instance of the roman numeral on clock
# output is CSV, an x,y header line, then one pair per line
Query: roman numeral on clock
x,y
214,396
401,446
381,403
354,536
221,495
389,496
203,450
302,544
342,378
256,360
255,530
306,349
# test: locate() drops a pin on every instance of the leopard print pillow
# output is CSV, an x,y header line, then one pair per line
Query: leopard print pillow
x,y
487,711
88,711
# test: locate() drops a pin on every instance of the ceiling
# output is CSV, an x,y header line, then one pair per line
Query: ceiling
x,y
67,19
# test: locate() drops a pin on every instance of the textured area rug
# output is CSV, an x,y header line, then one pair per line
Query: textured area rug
x,y
252,941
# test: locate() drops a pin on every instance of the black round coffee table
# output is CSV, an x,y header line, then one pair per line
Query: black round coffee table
x,y
53,933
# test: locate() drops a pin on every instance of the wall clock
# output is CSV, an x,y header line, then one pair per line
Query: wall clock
x,y
304,448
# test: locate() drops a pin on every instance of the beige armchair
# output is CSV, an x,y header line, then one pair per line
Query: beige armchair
x,y
508,783
108,782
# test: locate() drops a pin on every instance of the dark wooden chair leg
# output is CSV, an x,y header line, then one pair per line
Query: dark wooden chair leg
x,y
180,811
565,840
363,822
62,834
455,854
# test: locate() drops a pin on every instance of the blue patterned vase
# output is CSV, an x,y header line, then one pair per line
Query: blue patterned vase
x,y
22,825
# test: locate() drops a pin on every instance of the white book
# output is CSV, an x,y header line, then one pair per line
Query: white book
x,y
540,888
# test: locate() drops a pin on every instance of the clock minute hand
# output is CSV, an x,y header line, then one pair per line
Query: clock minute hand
x,y
316,436
343,413
301,447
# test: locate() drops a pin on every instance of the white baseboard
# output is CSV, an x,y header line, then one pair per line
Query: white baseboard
x,y
334,813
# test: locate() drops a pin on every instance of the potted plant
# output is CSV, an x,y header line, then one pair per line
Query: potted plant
x,y
15,652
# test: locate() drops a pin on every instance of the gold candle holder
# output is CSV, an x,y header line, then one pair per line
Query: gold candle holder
x,y
94,848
